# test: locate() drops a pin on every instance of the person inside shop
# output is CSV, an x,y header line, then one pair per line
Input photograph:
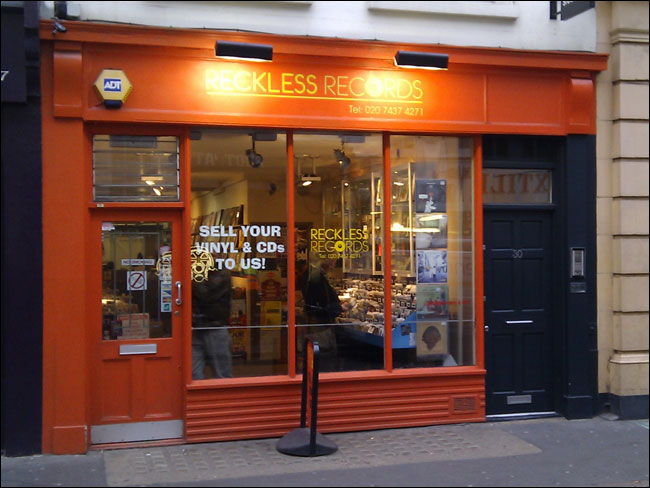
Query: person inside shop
x,y
211,341
322,306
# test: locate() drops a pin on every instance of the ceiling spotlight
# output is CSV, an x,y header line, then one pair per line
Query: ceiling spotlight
x,y
342,159
307,179
254,159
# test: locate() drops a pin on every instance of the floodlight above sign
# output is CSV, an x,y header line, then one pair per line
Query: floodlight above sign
x,y
113,87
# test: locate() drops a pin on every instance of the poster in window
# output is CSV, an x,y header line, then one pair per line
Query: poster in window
x,y
431,230
430,196
431,340
432,302
432,266
134,326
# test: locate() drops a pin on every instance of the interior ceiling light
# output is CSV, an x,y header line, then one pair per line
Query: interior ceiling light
x,y
409,59
241,50
151,179
307,179
254,159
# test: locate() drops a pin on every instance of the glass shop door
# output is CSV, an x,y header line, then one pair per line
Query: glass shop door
x,y
136,388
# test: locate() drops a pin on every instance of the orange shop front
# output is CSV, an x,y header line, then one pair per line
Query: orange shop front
x,y
202,215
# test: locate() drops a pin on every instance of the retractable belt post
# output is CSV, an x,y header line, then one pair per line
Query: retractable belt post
x,y
307,441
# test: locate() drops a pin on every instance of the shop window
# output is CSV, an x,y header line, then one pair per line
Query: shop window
x,y
135,168
339,277
238,254
136,272
431,251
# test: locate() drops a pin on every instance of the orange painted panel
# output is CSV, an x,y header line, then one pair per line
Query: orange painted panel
x,y
524,100
68,80
582,111
355,402
322,83
161,401
115,391
326,94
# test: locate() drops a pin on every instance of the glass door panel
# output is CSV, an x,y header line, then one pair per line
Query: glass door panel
x,y
136,280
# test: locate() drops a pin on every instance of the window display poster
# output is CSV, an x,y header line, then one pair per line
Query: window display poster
x,y
271,312
134,325
432,266
430,196
431,340
431,230
432,302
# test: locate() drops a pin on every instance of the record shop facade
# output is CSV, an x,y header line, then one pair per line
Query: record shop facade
x,y
433,231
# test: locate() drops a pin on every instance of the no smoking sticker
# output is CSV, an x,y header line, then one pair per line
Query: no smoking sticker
x,y
136,280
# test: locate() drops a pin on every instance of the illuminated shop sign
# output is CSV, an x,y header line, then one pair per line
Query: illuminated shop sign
x,y
358,87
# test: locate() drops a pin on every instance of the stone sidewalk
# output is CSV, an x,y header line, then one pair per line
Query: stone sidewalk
x,y
593,452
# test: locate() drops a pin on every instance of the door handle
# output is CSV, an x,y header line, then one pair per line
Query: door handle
x,y
486,328
179,300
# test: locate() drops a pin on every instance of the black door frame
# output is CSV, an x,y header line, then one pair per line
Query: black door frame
x,y
572,159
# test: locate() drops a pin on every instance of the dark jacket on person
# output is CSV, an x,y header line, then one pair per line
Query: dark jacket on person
x,y
321,300
211,300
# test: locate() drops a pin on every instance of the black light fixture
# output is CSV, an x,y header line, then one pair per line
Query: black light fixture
x,y
254,159
343,160
241,50
409,59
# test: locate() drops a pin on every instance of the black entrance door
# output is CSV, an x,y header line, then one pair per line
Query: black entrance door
x,y
518,315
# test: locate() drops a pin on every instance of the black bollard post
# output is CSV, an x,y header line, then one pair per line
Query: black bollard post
x,y
307,441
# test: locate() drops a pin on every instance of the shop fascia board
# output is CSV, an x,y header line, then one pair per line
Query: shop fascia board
x,y
200,43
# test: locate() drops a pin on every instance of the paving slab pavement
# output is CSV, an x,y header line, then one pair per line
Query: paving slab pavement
x,y
535,452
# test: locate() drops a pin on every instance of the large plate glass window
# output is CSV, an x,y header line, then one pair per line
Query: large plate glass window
x,y
339,282
135,168
432,235
238,254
